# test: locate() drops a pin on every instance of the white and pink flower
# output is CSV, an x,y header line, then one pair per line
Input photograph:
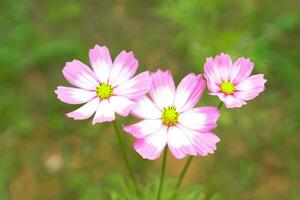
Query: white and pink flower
x,y
108,88
168,118
232,82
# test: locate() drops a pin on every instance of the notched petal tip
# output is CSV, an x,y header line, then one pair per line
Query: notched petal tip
x,y
103,119
74,116
159,71
99,46
223,54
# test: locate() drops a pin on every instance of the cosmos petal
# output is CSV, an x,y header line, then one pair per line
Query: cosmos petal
x,y
162,91
211,72
179,143
230,101
122,105
151,146
224,63
250,87
143,128
241,70
72,95
104,113
135,87
123,68
189,91
202,119
85,111
146,109
101,62
203,143
80,75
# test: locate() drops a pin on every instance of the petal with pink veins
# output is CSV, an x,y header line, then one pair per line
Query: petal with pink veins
x,y
202,119
250,87
188,92
179,143
212,86
204,143
224,63
80,75
151,146
72,95
211,73
85,111
122,105
162,91
104,112
230,101
144,128
123,68
135,87
101,62
241,70
146,109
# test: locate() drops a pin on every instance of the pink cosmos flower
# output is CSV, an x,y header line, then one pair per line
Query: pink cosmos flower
x,y
170,119
107,89
232,82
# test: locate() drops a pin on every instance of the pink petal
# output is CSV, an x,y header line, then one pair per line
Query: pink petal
x,y
224,63
122,105
135,87
217,70
241,70
212,86
101,62
211,72
124,67
85,111
104,113
80,75
151,146
202,119
163,89
230,101
189,91
144,128
203,143
251,87
179,143
74,95
146,109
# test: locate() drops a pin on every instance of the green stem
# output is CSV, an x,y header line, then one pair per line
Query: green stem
x,y
125,158
220,105
162,174
185,168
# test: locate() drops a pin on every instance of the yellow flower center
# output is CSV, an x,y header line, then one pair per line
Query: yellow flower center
x,y
170,116
104,90
227,87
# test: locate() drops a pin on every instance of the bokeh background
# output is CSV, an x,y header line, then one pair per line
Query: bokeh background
x,y
44,155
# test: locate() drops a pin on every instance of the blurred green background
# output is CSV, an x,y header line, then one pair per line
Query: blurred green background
x,y
44,155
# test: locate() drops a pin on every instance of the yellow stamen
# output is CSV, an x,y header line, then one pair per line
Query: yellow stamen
x,y
227,87
170,116
104,90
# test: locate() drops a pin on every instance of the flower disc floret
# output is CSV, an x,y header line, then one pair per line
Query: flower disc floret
x,y
227,87
104,90
170,116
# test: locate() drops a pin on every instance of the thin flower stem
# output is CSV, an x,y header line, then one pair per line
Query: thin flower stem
x,y
161,181
185,168
125,158
220,105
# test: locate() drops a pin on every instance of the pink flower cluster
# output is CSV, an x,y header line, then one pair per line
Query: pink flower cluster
x,y
168,114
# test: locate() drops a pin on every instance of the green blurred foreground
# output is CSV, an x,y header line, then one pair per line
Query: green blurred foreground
x,y
45,156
